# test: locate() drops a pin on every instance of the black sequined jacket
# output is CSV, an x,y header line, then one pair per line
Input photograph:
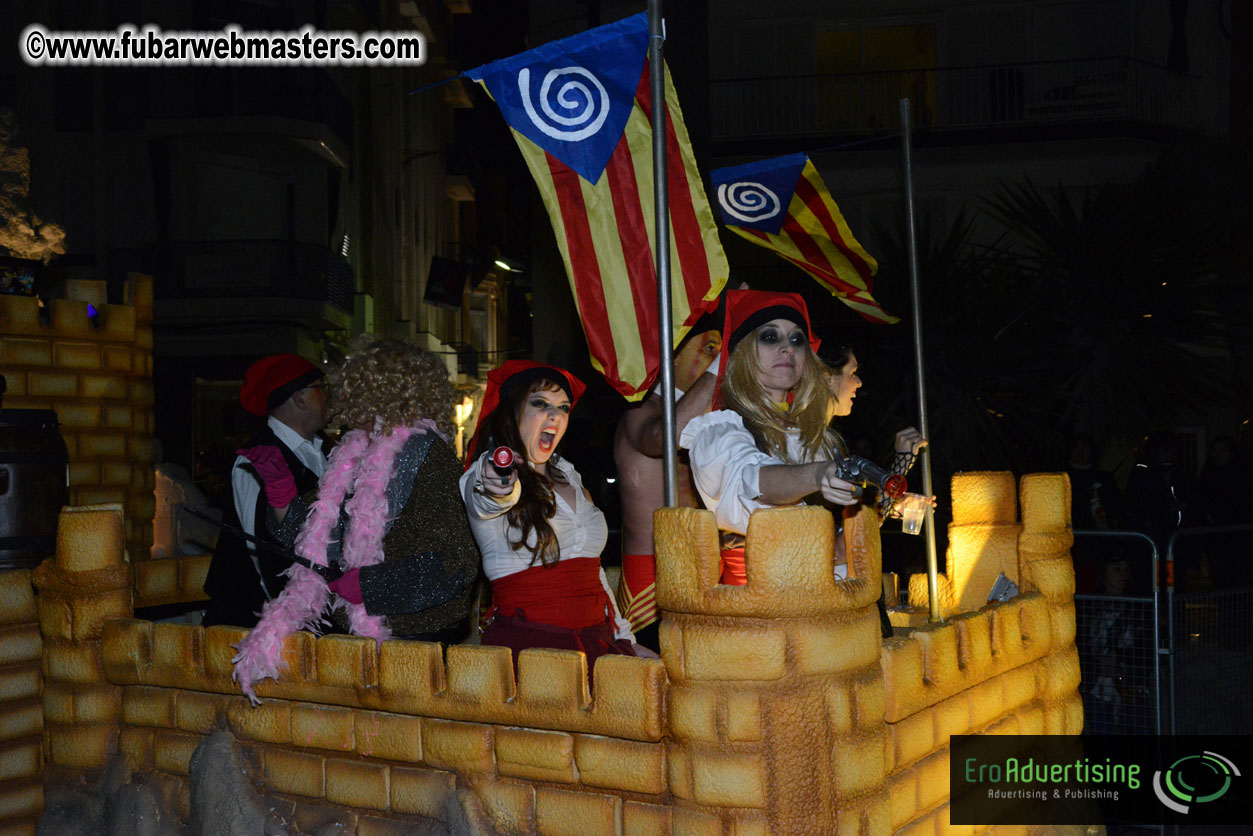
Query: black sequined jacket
x,y
430,560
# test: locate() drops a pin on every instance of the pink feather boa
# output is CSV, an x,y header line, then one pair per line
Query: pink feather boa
x,y
362,464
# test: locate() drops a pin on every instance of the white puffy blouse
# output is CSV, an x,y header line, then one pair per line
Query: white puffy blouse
x,y
726,467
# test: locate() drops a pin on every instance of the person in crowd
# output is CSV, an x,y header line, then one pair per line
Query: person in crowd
x,y
638,447
386,513
1156,504
1096,504
1116,653
1222,492
538,530
1156,493
1223,486
285,390
769,444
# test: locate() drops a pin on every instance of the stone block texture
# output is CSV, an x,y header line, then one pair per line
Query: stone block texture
x,y
98,379
21,705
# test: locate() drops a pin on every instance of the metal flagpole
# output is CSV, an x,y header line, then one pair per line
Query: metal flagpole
x,y
661,198
915,299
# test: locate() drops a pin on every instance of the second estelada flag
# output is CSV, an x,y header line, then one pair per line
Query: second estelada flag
x,y
783,205
579,110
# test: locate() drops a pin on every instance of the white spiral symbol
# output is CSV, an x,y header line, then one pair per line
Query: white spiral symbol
x,y
748,201
572,94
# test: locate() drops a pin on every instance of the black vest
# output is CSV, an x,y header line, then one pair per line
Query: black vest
x,y
232,580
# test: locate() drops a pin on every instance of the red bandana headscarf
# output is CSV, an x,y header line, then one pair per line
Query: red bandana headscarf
x,y
524,371
748,310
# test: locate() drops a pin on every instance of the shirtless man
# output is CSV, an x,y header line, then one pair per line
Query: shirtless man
x,y
638,448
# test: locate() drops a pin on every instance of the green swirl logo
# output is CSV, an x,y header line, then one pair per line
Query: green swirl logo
x,y
1194,779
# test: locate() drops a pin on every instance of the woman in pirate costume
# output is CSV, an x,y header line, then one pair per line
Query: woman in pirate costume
x,y
538,530
767,443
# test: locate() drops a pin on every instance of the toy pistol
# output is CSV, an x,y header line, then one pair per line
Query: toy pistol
x,y
865,474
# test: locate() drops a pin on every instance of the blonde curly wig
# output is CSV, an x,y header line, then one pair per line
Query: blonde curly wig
x,y
392,380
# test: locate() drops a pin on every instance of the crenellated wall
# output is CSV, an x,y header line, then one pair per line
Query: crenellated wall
x,y
776,699
98,379
178,579
777,708
21,711
1009,668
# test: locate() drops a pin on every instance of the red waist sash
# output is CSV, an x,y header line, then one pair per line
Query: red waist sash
x,y
733,571
567,594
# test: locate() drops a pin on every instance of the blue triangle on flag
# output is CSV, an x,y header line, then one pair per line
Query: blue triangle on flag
x,y
757,195
573,97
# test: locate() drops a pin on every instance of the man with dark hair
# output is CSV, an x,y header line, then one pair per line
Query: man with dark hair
x,y
282,459
1096,502
638,447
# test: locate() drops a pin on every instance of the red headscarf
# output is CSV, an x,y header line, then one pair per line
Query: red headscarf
x,y
271,380
748,310
524,371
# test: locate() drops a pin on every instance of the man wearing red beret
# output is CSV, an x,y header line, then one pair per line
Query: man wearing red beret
x,y
283,459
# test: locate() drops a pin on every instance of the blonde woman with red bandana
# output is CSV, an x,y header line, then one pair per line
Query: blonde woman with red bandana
x,y
537,528
768,445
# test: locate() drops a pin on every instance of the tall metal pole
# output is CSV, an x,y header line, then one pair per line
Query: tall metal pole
x,y
661,247
915,299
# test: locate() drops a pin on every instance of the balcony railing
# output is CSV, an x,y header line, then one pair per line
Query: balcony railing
x,y
960,98
254,269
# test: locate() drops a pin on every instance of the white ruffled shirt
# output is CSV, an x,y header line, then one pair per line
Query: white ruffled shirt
x,y
581,531
726,467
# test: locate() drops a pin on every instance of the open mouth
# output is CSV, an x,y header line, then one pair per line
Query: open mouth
x,y
547,440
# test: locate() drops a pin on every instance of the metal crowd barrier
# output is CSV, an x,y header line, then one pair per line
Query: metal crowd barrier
x,y
1118,640
1176,655
1209,632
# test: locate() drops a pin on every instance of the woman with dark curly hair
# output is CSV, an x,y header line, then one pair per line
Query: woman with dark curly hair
x,y
537,527
386,514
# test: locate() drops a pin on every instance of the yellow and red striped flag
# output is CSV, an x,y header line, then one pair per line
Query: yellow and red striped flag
x,y
579,111
783,205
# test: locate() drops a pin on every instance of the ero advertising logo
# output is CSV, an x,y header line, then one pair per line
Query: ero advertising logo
x,y
1131,780
1194,779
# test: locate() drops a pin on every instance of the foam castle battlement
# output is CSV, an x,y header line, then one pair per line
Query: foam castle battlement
x,y
776,708
96,373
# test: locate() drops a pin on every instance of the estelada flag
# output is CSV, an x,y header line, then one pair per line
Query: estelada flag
x,y
783,205
579,110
